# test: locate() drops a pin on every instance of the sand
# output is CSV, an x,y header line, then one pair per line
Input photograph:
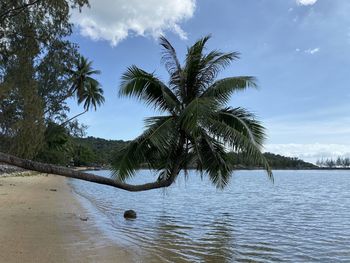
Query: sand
x,y
41,220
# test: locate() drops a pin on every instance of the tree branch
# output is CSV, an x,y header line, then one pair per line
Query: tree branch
x,y
15,11
63,171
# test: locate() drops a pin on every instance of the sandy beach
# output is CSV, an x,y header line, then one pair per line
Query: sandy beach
x,y
41,220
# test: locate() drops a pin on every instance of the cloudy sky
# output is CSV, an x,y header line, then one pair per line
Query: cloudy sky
x,y
298,49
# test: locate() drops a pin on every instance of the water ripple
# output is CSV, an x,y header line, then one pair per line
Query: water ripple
x,y
303,217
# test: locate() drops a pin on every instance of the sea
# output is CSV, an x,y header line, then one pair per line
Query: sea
x,y
303,216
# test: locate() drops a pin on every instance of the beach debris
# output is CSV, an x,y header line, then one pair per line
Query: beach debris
x,y
53,190
85,218
130,214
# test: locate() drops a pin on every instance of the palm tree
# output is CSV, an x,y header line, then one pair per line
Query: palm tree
x,y
91,96
87,89
196,127
81,76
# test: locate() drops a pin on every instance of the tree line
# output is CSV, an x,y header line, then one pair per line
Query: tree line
x,y
340,162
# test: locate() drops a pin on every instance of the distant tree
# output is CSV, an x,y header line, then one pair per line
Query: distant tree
x,y
318,163
57,147
82,155
339,162
347,162
330,163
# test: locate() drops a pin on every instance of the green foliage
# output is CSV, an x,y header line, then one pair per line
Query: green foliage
x,y
81,77
63,149
23,110
91,96
196,126
83,155
57,147
34,81
102,149
277,161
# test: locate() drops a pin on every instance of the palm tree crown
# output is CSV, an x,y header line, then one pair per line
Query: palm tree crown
x,y
81,76
91,96
196,128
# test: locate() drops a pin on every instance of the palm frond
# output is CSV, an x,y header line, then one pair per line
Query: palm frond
x,y
145,86
216,164
212,64
222,89
193,67
169,57
149,148
245,122
198,109
92,94
238,142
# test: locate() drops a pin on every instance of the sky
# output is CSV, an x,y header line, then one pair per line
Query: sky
x,y
299,50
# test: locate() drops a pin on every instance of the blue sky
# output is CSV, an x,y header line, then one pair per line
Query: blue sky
x,y
298,49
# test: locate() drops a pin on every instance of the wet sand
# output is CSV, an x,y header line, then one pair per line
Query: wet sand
x,y
41,220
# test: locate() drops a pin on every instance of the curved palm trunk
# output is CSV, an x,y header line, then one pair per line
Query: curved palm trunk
x,y
67,172
63,171
64,123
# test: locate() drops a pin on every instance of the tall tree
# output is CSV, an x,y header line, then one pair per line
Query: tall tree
x,y
34,55
199,126
28,128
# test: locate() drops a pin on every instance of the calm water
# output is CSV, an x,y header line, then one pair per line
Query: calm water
x,y
303,217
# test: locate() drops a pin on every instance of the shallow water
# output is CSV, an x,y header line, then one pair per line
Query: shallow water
x,y
303,217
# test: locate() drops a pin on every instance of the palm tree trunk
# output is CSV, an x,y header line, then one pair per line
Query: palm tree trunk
x,y
67,172
64,123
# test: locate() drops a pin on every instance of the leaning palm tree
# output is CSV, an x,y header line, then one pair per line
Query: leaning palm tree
x,y
196,128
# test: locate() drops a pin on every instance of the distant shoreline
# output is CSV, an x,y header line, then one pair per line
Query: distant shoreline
x,y
87,168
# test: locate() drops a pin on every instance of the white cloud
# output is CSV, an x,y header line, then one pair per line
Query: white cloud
x,y
114,20
310,152
312,51
306,2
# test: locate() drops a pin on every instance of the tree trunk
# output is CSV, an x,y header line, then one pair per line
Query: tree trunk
x,y
64,123
63,171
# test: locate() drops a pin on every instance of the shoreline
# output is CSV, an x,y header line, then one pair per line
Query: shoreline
x,y
42,220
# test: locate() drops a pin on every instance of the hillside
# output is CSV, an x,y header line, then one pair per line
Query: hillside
x,y
103,149
103,153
